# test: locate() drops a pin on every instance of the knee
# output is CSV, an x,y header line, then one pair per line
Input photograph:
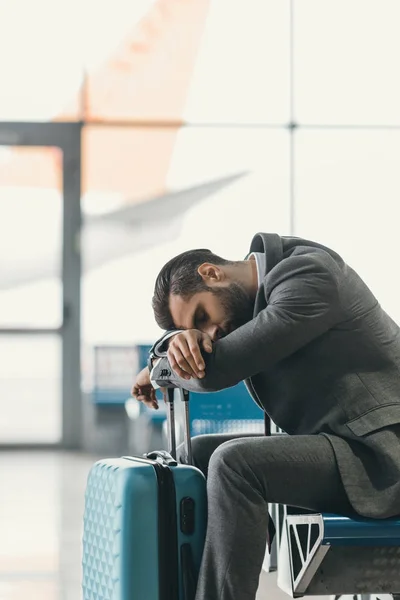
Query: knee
x,y
226,456
231,461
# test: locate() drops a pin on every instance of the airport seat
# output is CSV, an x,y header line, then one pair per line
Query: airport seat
x,y
227,411
328,554
110,373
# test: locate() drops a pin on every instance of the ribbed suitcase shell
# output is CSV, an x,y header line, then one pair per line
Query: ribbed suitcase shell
x,y
120,540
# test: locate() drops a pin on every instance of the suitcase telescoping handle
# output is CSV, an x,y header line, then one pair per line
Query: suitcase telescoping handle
x,y
169,400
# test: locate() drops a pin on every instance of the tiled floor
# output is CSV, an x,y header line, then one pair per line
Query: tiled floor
x,y
41,506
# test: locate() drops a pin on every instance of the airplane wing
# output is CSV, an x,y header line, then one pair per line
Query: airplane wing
x,y
128,230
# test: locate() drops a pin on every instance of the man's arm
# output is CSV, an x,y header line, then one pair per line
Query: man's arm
x,y
184,353
302,296
160,347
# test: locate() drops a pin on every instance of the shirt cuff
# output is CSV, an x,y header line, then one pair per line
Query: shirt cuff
x,y
154,383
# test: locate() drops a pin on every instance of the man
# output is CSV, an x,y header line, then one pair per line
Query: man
x,y
319,355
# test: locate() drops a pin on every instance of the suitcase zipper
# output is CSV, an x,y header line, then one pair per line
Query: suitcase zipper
x,y
168,538
167,529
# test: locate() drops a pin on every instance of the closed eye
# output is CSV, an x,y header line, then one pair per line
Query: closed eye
x,y
201,318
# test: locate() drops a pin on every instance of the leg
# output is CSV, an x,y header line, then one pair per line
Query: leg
x,y
243,476
203,446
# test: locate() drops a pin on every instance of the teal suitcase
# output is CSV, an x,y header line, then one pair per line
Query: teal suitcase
x,y
144,524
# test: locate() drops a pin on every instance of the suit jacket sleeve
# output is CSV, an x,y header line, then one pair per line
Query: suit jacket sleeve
x,y
301,293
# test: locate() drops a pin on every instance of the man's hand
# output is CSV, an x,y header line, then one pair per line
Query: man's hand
x,y
184,353
143,390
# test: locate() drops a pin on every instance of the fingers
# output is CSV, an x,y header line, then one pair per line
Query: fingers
x,y
145,394
149,403
185,358
191,354
184,353
207,342
193,349
179,364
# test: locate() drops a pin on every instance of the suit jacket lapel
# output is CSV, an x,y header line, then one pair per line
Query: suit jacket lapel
x,y
271,245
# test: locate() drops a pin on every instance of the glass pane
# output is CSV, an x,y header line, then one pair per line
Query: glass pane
x,y
241,72
150,194
30,237
347,197
30,389
41,70
346,62
195,60
117,163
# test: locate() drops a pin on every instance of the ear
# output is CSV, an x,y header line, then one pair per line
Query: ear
x,y
211,273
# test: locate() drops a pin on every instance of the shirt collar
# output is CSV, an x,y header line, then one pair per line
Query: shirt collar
x,y
261,265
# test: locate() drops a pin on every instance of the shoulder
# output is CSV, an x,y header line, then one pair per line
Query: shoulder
x,y
311,270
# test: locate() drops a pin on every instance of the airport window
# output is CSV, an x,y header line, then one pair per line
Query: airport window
x,y
202,123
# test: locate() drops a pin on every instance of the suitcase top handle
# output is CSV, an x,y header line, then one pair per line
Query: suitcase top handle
x,y
163,457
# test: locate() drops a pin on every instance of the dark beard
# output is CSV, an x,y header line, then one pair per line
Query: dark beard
x,y
238,306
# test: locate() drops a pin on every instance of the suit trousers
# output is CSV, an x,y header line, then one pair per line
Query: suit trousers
x,y
244,474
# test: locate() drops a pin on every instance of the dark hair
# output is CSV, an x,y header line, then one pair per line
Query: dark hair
x,y
180,277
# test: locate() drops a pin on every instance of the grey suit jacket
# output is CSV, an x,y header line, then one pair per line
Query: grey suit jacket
x,y
320,356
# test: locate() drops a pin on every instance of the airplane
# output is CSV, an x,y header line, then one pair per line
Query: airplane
x,y
128,47
106,237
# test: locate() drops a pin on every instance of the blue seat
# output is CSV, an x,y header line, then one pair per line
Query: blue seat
x,y
328,554
360,531
229,411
